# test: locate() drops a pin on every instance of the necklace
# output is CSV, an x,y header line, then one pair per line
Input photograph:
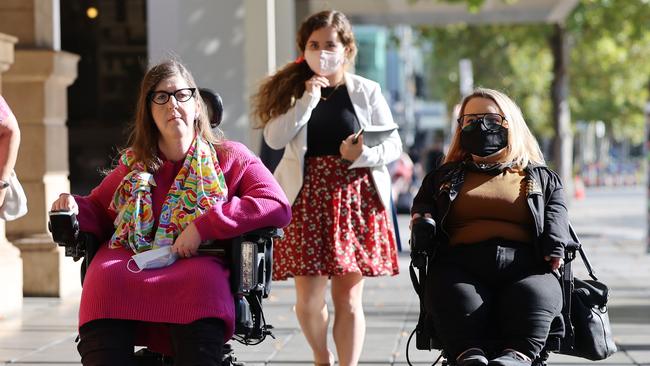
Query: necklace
x,y
332,93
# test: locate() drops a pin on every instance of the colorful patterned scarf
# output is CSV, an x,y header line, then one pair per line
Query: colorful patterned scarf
x,y
199,184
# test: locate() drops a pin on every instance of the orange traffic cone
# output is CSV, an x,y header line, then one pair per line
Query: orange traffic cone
x,y
578,188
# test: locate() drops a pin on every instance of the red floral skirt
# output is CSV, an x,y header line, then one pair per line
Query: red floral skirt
x,y
339,225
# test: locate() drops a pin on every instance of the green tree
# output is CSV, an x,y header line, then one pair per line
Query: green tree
x,y
508,58
609,70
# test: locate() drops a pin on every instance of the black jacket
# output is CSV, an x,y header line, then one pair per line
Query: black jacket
x,y
545,197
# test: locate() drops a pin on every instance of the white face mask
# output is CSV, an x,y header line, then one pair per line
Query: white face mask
x,y
154,258
324,63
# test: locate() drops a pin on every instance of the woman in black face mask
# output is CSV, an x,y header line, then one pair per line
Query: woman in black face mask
x,y
502,225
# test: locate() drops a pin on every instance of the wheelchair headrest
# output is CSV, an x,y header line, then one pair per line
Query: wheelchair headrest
x,y
215,105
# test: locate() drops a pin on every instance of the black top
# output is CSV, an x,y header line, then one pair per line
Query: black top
x,y
331,122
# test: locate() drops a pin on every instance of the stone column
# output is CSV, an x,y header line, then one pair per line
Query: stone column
x,y
259,51
36,89
11,265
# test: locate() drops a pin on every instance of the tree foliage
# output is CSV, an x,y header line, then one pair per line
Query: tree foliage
x,y
507,58
609,70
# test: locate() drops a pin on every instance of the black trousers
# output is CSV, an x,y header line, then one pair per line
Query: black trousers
x,y
111,342
492,295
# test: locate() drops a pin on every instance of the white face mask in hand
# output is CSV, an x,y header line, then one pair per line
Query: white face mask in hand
x,y
154,258
324,63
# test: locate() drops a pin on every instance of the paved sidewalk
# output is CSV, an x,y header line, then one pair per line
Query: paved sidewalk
x,y
611,223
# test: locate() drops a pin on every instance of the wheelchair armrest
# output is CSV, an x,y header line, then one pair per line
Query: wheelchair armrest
x,y
78,244
267,232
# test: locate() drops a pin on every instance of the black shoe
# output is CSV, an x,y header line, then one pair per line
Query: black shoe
x,y
510,358
472,357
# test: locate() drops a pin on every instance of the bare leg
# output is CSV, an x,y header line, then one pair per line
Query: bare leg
x,y
312,314
349,320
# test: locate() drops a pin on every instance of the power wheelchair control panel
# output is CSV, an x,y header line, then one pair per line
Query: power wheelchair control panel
x,y
251,268
250,259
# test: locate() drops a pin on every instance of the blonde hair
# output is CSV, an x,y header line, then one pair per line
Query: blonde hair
x,y
522,146
278,92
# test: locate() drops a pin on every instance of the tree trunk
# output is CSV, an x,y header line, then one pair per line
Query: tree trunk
x,y
562,152
647,154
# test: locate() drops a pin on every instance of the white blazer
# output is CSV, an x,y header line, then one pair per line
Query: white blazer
x,y
289,131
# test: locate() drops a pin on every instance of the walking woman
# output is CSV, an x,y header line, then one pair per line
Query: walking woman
x,y
338,185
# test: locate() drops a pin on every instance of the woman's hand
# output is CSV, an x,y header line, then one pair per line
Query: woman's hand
x,y
415,216
187,243
315,83
349,150
554,262
65,202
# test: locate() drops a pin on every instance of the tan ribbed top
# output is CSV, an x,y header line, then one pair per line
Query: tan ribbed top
x,y
490,207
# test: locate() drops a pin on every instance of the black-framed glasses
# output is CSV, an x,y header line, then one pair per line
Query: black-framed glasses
x,y
491,121
161,97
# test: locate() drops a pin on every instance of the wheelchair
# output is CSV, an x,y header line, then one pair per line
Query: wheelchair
x,y
250,262
561,336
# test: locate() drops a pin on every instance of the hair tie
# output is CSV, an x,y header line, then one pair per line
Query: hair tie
x,y
299,60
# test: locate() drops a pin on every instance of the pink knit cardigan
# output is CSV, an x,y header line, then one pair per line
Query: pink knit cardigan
x,y
189,289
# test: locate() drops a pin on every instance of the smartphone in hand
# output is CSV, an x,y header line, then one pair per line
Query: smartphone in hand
x,y
355,139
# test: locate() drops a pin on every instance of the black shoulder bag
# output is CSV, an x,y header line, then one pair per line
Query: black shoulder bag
x,y
589,334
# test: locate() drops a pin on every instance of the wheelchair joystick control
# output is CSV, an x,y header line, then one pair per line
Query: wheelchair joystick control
x,y
65,232
423,236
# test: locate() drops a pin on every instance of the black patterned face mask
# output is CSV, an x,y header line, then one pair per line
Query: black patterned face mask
x,y
480,141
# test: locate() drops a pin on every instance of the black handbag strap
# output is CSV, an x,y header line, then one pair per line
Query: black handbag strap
x,y
583,255
568,342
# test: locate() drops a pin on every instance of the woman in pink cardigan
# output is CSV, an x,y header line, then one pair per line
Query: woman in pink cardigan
x,y
176,186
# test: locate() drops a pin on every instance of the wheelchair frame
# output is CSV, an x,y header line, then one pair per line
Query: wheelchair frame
x,y
250,325
561,334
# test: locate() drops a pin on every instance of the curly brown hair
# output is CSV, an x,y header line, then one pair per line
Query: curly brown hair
x,y
279,91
